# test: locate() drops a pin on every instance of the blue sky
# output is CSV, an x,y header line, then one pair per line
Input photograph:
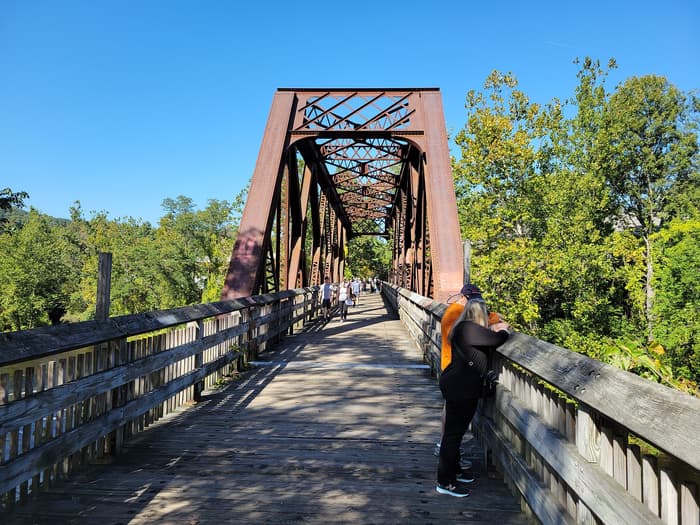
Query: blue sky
x,y
119,104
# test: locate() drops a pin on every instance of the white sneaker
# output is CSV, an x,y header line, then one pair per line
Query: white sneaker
x,y
457,490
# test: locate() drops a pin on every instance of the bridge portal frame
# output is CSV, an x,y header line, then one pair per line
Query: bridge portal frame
x,y
299,216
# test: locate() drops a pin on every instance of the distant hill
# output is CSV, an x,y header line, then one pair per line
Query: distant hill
x,y
18,216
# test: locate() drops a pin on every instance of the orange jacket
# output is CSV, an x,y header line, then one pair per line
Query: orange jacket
x,y
448,320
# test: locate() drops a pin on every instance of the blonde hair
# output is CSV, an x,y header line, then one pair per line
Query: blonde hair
x,y
475,311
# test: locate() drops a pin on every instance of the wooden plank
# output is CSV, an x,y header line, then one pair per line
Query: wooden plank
x,y
26,430
669,497
634,471
587,435
620,459
606,450
690,504
39,385
650,484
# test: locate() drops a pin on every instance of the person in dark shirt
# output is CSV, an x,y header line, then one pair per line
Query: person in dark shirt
x,y
460,383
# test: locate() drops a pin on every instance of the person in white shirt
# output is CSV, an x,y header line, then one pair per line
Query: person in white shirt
x,y
356,286
327,290
344,299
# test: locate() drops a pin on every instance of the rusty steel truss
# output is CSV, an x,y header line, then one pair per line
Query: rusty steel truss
x,y
338,163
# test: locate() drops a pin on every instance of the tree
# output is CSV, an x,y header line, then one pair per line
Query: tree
x,y
136,284
367,256
9,200
194,248
574,209
556,199
645,149
677,302
497,193
33,275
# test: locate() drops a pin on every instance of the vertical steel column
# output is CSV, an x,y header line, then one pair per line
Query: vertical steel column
x,y
445,241
283,235
317,241
405,241
415,262
326,235
299,197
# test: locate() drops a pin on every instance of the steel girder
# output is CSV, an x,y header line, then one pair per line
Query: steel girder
x,y
337,163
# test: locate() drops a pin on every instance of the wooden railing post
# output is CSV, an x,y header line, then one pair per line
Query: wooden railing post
x,y
104,283
198,362
690,508
253,312
650,484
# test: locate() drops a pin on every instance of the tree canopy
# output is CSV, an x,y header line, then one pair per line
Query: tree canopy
x,y
582,218
48,267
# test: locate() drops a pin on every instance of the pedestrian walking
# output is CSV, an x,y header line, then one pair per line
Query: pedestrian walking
x,y
326,296
344,299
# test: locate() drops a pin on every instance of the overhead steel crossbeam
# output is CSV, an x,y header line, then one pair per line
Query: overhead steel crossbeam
x,y
339,163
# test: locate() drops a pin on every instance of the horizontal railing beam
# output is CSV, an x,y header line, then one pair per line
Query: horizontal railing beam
x,y
665,417
25,345
27,410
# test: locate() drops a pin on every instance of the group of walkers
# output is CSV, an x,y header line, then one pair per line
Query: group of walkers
x,y
470,334
346,294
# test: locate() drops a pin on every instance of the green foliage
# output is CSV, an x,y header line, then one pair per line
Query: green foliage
x,y
677,283
33,275
367,256
647,150
565,205
48,268
12,199
10,202
195,249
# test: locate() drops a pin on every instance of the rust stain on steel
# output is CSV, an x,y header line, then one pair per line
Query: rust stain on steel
x,y
375,162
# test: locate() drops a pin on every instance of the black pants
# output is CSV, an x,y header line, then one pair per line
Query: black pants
x,y
458,415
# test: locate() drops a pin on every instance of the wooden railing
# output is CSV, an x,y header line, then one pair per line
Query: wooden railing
x,y
577,440
70,394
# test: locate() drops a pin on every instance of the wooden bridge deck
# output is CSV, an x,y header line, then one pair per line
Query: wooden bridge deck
x,y
338,426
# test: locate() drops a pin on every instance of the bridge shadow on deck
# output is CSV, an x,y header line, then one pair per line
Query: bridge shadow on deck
x,y
335,425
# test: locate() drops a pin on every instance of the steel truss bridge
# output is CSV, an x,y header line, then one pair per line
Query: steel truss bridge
x,y
335,164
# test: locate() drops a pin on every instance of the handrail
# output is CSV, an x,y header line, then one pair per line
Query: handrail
x,y
567,431
72,393
40,342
